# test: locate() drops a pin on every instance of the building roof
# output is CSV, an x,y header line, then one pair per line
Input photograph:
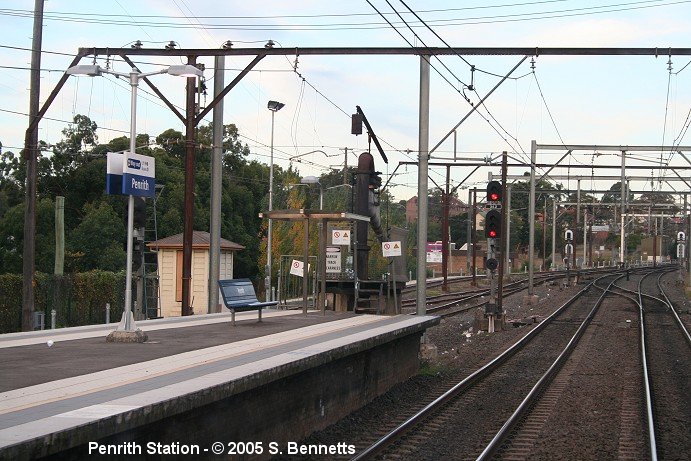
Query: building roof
x,y
200,240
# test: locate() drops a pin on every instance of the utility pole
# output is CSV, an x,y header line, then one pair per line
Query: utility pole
x,y
423,158
531,218
590,241
474,269
554,232
345,166
216,182
578,216
622,238
504,218
190,145
544,234
445,234
469,231
508,228
31,156
585,235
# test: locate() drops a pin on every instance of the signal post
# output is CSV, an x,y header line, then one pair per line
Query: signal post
x,y
493,228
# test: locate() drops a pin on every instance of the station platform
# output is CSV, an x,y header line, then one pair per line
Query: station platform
x,y
196,382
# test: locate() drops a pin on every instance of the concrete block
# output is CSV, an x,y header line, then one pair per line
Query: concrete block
x,y
428,351
118,336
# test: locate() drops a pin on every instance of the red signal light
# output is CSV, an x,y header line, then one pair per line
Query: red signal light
x,y
494,191
492,233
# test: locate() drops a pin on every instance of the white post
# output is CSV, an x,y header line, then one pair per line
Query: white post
x,y
127,317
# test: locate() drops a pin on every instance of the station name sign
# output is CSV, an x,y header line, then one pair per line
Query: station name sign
x,y
132,174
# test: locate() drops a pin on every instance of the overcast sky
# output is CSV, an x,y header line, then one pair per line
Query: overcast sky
x,y
602,100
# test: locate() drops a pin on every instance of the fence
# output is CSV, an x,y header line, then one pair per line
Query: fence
x,y
78,299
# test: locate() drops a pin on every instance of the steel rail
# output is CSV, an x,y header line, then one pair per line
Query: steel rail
x,y
466,383
546,378
652,446
667,301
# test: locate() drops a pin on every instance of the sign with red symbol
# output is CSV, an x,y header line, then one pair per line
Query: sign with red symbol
x,y
390,249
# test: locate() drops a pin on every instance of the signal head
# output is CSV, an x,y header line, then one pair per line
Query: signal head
x,y
493,224
494,191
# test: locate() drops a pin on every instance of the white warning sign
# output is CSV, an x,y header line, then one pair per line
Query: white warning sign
x,y
333,260
340,237
297,267
390,249
434,257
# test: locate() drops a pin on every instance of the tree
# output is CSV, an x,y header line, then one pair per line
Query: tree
x,y
99,238
614,194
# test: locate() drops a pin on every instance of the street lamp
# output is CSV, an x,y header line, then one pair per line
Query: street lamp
x,y
127,324
273,106
315,180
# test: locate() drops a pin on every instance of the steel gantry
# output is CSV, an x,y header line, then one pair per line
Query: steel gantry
x,y
192,118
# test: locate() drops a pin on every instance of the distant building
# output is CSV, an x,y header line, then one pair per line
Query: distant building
x,y
456,207
170,271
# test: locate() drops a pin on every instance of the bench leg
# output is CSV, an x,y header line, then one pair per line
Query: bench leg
x,y
232,316
260,314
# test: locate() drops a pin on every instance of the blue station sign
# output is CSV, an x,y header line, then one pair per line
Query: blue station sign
x,y
131,174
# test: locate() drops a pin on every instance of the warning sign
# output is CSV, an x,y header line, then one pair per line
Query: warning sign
x,y
333,260
340,237
434,257
390,249
297,267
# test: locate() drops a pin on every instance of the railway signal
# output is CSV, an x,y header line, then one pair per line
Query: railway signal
x,y
493,224
494,191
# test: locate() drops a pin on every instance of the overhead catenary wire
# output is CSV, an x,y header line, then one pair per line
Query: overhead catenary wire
x,y
444,22
449,70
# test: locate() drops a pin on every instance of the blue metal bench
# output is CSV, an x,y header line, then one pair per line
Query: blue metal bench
x,y
238,296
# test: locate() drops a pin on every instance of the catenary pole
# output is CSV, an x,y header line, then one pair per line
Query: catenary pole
x,y
31,156
531,217
216,180
190,148
423,148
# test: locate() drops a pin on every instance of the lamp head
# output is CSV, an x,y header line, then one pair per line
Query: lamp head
x,y
275,106
92,70
309,180
184,70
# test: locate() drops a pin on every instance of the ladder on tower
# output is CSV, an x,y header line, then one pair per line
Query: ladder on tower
x,y
150,272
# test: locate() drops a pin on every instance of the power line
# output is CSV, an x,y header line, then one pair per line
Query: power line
x,y
438,10
555,14
438,72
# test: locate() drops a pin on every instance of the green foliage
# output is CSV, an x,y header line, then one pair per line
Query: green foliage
x,y
105,252
10,303
78,299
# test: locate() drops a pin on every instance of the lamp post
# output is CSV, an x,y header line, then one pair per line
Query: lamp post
x,y
127,324
273,106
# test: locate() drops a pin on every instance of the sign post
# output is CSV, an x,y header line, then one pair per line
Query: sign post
x,y
391,250
133,175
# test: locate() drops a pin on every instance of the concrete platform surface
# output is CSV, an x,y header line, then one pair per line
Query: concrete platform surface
x,y
83,388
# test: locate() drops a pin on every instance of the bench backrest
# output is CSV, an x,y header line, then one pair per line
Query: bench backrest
x,y
237,291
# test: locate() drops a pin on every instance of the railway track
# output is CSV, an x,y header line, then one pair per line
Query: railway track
x,y
443,304
484,416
